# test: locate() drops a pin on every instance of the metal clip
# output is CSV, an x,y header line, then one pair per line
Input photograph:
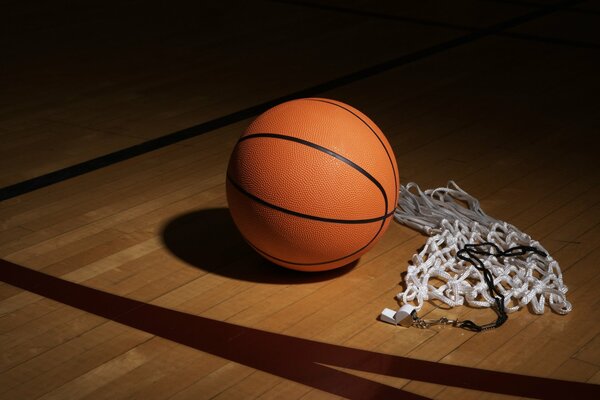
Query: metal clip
x,y
428,323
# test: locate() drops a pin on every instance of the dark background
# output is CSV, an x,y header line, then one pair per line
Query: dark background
x,y
85,79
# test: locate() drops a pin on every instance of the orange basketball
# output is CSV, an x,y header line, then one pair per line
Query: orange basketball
x,y
312,184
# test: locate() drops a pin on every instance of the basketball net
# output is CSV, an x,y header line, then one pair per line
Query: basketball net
x,y
453,220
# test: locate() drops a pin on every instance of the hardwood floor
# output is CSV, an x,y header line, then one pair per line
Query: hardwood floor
x,y
509,113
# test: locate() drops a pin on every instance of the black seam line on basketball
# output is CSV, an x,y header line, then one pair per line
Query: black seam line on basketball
x,y
333,154
371,129
321,262
376,135
106,160
313,263
326,151
238,188
307,216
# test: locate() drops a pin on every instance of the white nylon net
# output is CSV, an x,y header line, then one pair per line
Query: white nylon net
x,y
437,274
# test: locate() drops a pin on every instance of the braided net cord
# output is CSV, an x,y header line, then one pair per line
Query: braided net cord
x,y
436,273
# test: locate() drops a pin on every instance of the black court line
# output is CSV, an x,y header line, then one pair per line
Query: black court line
x,y
439,24
300,360
551,40
515,2
106,160
375,14
530,4
585,11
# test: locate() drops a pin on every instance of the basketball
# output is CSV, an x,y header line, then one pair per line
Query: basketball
x,y
312,184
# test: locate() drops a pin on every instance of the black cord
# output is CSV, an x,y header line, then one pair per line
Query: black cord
x,y
472,251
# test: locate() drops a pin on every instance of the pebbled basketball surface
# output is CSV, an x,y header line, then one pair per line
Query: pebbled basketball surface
x,y
312,184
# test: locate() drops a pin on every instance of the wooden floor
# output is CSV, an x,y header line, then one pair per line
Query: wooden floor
x,y
500,96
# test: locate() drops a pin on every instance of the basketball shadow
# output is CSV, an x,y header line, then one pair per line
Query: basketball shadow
x,y
209,240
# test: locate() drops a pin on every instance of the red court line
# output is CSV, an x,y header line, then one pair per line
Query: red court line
x,y
289,357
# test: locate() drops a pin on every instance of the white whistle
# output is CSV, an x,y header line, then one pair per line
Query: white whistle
x,y
403,317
